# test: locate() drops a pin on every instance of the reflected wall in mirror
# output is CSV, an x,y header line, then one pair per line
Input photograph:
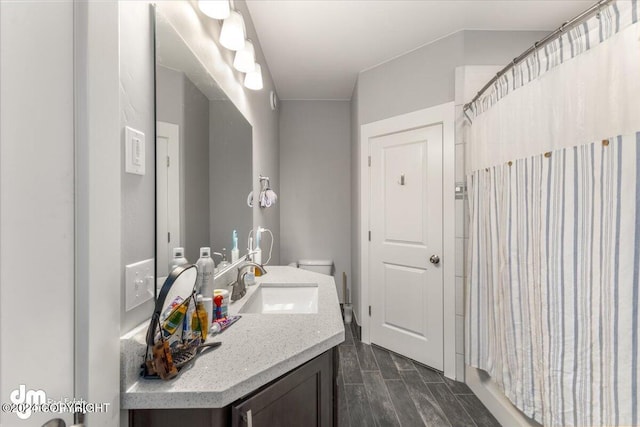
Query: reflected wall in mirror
x,y
203,157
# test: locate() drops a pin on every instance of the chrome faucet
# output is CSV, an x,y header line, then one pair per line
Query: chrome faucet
x,y
239,287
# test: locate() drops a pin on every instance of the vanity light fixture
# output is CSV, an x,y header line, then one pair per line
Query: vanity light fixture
x,y
253,79
233,34
245,59
217,9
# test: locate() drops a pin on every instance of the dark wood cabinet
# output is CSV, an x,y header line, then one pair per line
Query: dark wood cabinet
x,y
302,397
195,417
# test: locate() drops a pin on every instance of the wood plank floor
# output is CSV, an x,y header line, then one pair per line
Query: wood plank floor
x,y
379,388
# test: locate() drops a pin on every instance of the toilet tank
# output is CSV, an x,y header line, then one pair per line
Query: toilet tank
x,y
324,266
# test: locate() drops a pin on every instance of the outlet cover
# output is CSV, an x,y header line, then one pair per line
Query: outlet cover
x,y
139,283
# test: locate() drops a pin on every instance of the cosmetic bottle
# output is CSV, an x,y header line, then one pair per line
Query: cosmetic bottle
x,y
178,259
205,264
199,321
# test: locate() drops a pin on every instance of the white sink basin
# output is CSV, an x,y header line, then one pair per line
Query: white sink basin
x,y
278,298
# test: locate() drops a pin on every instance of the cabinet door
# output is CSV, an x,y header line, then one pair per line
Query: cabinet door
x,y
194,417
304,397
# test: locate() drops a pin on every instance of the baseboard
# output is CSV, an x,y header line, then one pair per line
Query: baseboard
x,y
496,402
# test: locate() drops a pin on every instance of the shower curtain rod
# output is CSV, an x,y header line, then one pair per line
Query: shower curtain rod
x,y
595,9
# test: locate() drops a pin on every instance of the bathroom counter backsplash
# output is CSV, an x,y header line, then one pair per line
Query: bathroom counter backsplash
x,y
255,350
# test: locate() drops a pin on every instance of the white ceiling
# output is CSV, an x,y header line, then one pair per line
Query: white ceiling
x,y
315,48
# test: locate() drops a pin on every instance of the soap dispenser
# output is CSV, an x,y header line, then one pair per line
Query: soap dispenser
x,y
224,263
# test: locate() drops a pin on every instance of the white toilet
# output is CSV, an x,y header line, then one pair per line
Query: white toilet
x,y
323,266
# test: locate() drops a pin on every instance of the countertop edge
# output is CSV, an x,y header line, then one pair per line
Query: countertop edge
x,y
202,399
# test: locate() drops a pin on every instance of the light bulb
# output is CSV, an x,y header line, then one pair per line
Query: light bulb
x,y
245,59
217,9
233,33
253,79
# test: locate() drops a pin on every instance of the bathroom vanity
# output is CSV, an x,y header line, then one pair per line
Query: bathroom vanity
x,y
271,369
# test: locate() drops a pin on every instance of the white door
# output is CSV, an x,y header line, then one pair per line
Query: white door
x,y
406,237
167,194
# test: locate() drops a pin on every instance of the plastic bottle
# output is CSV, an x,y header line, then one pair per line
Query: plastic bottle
x,y
224,293
235,253
208,306
178,259
187,333
250,277
217,300
205,264
224,263
174,319
199,321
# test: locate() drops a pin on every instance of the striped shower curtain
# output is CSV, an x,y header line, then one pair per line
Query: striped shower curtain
x,y
554,248
555,244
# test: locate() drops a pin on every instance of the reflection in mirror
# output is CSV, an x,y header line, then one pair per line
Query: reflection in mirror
x,y
203,157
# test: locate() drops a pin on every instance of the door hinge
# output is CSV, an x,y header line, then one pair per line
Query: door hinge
x,y
168,161
169,236
369,311
369,235
369,161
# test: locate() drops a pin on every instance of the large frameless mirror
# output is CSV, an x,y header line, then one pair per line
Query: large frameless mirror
x,y
203,156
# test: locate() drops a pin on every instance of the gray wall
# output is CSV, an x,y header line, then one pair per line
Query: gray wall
x,y
315,163
180,102
497,47
170,93
195,170
216,164
420,79
230,176
170,109
425,77
137,111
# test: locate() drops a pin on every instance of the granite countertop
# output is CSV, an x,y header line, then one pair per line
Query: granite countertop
x,y
255,350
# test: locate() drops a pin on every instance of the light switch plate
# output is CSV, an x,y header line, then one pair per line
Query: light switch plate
x,y
139,283
134,151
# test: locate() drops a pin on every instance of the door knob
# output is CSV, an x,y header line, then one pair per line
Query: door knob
x,y
435,259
